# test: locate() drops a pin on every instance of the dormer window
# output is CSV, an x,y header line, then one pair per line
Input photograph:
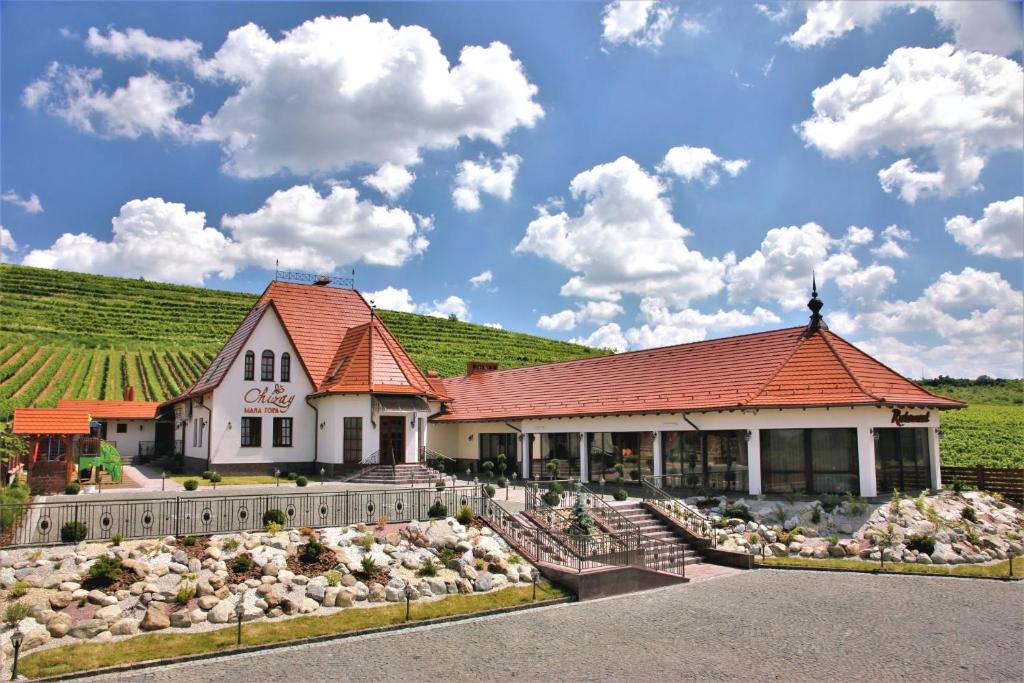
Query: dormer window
x,y
267,366
250,366
286,367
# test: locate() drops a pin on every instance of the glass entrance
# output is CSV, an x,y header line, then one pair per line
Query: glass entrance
x,y
392,439
901,459
620,456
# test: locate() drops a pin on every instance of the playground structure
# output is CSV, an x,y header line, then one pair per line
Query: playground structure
x,y
107,459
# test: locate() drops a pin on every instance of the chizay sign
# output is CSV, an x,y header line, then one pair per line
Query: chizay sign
x,y
267,400
901,417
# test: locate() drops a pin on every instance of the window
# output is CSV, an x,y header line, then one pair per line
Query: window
x,y
282,431
711,459
565,448
202,426
809,460
493,445
267,366
195,433
634,451
352,442
252,430
286,367
250,366
122,428
901,459
53,447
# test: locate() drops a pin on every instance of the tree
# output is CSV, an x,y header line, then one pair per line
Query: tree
x,y
12,449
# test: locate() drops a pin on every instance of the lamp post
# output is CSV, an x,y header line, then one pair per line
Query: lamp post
x,y
602,487
533,576
277,477
514,476
163,480
239,612
322,473
17,638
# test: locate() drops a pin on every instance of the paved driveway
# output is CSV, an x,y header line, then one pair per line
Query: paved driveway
x,y
760,625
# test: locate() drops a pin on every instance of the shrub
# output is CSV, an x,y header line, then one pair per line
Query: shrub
x,y
116,539
479,565
18,590
366,542
855,505
73,532
72,488
718,523
738,511
488,466
969,515
438,510
489,491
439,484
242,563
957,485
231,545
301,481
291,476
188,541
922,543
816,515
514,558
274,515
707,502
311,551
333,578
621,495
428,568
894,503
207,474
308,530
833,540
919,501
620,469
557,488
502,482
755,539
105,570
15,612
465,515
185,593
274,528
830,501
215,477
369,566
551,498
190,484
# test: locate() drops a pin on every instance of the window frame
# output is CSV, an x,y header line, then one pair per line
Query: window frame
x,y
250,366
280,433
121,428
267,366
352,440
286,367
246,429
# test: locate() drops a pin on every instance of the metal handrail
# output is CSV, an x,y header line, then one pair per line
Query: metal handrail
x,y
535,497
428,454
612,518
692,519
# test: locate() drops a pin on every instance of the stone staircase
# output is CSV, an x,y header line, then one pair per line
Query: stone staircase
x,y
655,529
404,474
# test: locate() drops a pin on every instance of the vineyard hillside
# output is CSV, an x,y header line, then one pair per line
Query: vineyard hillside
x,y
990,431
72,335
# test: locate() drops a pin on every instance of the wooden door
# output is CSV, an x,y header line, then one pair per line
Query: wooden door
x,y
392,439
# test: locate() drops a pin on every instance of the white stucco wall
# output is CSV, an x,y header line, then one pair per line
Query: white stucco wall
x,y
137,431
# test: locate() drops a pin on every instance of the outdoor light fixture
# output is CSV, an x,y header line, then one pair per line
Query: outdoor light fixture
x,y
749,434
470,438
239,612
17,638
322,425
277,477
229,424
322,473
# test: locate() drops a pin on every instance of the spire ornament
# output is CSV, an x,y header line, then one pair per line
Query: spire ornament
x,y
817,323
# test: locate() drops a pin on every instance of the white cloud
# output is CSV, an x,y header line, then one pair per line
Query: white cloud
x,y
692,26
30,205
590,311
390,180
999,232
890,246
494,326
563,320
136,43
857,236
959,107
491,176
399,299
699,163
605,337
636,22
778,13
664,327
986,26
152,238
308,231
781,268
146,104
392,299
453,305
7,244
481,279
624,240
337,91
866,286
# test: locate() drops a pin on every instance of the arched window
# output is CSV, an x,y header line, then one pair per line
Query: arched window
x,y
250,366
267,366
286,367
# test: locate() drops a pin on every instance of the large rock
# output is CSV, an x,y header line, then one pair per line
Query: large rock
x,y
316,591
222,613
207,602
86,629
125,627
377,593
483,582
778,550
394,594
109,614
100,598
60,625
330,595
181,619
155,618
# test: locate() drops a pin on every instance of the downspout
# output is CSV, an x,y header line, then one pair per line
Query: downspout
x,y
690,422
316,432
209,434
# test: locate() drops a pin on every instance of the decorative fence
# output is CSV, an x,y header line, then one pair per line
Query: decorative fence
x,y
40,523
1004,480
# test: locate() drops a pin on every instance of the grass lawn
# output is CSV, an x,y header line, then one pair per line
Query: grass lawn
x,y
991,571
232,480
90,656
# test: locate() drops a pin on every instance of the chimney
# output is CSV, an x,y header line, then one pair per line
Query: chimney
x,y
475,367
433,374
129,393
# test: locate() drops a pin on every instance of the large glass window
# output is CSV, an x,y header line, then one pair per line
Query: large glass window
x,y
252,431
352,441
809,460
282,431
286,367
713,460
620,456
494,445
53,449
901,459
565,448
250,366
267,366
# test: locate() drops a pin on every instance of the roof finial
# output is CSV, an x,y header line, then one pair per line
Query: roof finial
x,y
815,305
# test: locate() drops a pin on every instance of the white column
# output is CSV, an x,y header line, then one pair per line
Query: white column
x,y
659,466
584,459
524,448
866,461
754,461
933,451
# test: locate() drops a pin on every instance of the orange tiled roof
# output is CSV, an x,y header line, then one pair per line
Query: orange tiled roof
x,y
780,368
50,421
127,410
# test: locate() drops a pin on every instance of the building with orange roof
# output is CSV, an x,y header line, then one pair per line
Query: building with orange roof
x,y
313,379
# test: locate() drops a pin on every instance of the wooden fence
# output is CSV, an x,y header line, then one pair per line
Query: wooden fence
x,y
1005,480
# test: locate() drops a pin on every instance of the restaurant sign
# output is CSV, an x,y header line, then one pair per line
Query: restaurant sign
x,y
901,417
267,401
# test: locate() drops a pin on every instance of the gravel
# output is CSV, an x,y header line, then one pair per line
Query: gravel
x,y
759,625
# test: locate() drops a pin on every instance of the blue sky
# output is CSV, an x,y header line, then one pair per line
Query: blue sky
x,y
629,176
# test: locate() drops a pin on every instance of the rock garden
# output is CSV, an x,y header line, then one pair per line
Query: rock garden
x,y
101,592
946,528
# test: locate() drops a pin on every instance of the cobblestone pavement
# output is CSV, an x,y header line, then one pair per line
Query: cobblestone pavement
x,y
759,625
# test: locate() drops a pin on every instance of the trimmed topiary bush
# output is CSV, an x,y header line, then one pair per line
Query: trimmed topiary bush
x,y
438,510
291,476
551,498
215,477
502,482
621,495
207,474
72,488
274,515
301,481
105,570
489,491
190,484
73,532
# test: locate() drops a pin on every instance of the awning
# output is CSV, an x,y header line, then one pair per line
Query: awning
x,y
399,404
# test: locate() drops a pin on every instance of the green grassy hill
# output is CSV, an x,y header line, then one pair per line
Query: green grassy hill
x,y
990,431
71,335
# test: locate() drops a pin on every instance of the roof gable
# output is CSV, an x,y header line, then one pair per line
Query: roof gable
x,y
128,410
50,421
369,359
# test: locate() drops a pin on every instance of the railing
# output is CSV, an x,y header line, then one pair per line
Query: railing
x,y
535,491
609,517
692,519
432,458
40,523
1005,480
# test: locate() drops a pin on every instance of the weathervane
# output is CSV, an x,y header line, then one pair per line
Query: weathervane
x,y
815,304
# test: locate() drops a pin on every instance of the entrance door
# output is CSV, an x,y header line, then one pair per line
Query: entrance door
x,y
392,439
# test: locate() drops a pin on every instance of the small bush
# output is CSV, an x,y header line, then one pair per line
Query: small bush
x,y
73,532
438,510
718,523
311,551
439,484
738,512
369,566
366,542
465,515
116,539
969,515
273,528
621,494
333,578
557,488
755,539
502,482
15,612
215,477
816,515
72,488
488,466
301,481
707,502
274,515
231,545
489,491
551,498
922,543
479,565
18,590
188,541
291,476
830,501
185,593
308,530
833,540
429,567
513,558
957,485
105,570
207,474
190,484
242,563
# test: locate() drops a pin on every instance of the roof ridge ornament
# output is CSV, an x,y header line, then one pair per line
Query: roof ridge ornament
x,y
817,323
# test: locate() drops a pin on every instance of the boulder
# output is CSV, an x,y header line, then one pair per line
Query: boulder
x,y
820,553
100,598
86,629
377,593
207,602
316,591
109,614
778,550
923,559
308,605
59,625
346,597
221,613
125,627
60,600
484,582
394,593
181,619
836,551
155,618
361,590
